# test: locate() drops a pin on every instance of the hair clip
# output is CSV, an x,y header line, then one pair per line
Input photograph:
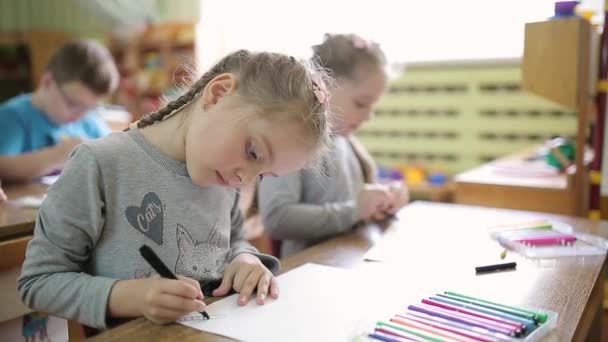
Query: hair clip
x,y
361,43
320,90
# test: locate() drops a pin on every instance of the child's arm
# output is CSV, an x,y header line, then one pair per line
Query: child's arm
x,y
249,271
238,243
18,166
97,126
27,166
69,223
54,279
285,217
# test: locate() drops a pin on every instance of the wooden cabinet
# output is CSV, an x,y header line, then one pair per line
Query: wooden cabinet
x,y
24,58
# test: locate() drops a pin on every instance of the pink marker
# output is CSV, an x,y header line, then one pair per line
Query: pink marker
x,y
547,240
501,321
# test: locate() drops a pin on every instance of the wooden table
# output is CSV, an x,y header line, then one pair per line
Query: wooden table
x,y
17,224
440,244
508,183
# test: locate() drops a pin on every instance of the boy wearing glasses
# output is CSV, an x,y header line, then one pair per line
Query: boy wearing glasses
x,y
39,130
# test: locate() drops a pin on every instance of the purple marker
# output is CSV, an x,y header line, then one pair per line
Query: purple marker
x,y
515,325
482,331
445,314
466,333
380,336
516,332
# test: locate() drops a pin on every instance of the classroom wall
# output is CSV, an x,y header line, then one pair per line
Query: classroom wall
x,y
459,115
59,15
72,16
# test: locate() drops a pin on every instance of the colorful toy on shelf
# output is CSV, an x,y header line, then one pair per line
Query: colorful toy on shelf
x,y
152,60
412,174
587,14
415,175
565,8
437,178
561,153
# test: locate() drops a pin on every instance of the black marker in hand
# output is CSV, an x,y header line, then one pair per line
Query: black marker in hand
x,y
148,254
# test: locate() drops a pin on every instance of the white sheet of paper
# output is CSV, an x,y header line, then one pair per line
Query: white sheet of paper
x,y
390,246
29,201
317,303
49,180
382,251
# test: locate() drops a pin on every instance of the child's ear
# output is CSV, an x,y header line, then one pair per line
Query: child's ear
x,y
46,79
218,87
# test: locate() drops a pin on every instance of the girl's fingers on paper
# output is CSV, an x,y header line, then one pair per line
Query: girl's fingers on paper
x,y
263,287
392,210
274,287
379,216
249,285
226,284
241,275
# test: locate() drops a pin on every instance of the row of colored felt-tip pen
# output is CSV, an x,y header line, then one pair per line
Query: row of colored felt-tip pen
x,y
450,316
540,235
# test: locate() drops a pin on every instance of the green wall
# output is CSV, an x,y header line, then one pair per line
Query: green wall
x,y
457,116
73,17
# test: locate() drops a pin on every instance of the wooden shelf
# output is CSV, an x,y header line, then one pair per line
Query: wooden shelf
x,y
554,52
41,45
155,46
560,64
149,66
12,38
151,93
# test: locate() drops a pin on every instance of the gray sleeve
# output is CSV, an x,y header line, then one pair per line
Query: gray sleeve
x,y
286,218
238,243
69,224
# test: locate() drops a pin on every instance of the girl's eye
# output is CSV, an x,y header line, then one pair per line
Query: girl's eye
x,y
360,105
251,152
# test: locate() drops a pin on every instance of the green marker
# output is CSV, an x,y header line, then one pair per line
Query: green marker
x,y
538,316
413,332
533,226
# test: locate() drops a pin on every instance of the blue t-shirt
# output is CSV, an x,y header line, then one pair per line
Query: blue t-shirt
x,y
24,128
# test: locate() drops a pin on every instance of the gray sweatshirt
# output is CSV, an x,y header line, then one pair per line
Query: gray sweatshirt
x,y
114,195
303,208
